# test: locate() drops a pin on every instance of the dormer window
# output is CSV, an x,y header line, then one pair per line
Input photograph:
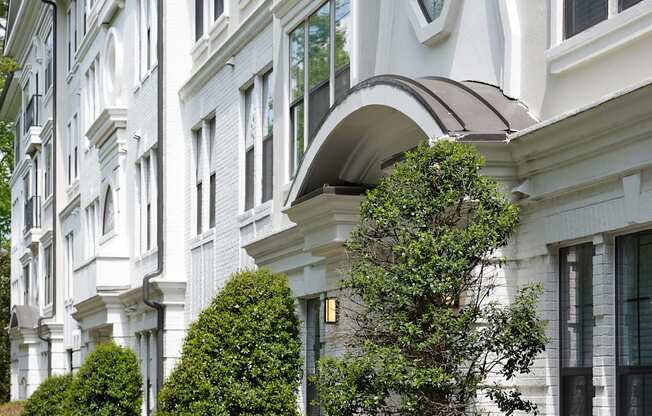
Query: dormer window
x,y
321,64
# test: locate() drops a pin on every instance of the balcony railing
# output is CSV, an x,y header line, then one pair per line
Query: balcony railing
x,y
33,213
32,113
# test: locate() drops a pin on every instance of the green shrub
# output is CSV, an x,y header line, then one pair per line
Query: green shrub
x,y
242,355
50,397
107,384
12,409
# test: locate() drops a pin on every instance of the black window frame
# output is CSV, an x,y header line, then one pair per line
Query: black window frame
x,y
567,372
569,28
623,371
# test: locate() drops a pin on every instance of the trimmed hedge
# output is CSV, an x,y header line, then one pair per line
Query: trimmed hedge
x,y
50,397
107,384
242,355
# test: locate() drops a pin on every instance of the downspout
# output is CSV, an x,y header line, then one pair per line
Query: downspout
x,y
160,241
53,251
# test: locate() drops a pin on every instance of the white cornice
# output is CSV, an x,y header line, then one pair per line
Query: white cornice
x,y
247,30
109,120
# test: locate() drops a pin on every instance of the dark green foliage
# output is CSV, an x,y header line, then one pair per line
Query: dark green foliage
x,y
242,355
50,397
427,339
107,384
5,312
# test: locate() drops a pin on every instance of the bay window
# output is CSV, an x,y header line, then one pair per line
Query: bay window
x,y
576,327
634,323
319,71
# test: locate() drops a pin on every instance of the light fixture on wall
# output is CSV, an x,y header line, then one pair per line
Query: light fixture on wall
x,y
331,310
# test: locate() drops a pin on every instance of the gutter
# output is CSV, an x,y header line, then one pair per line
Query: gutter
x,y
53,251
160,236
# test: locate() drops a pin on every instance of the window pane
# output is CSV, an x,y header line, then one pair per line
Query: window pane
x,y
582,14
342,33
319,104
200,212
211,202
577,395
268,172
211,142
577,305
626,4
268,105
107,218
319,46
199,19
250,118
297,64
218,8
249,179
634,277
313,352
297,143
431,8
636,397
342,81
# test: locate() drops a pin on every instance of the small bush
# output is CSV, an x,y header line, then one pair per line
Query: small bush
x,y
12,409
50,397
107,384
242,355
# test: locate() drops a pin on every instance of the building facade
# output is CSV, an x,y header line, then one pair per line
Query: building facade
x,y
163,145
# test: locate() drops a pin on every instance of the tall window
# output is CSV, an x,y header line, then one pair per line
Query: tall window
x,y
198,180
69,264
323,65
47,276
108,216
146,36
26,285
212,181
580,15
69,37
267,179
48,61
146,201
199,19
72,150
576,326
634,323
92,92
313,353
92,228
47,168
250,140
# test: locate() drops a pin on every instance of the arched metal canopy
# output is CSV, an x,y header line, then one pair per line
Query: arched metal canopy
x,y
388,114
23,316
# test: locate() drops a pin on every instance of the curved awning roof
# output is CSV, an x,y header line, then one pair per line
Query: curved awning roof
x,y
388,114
23,317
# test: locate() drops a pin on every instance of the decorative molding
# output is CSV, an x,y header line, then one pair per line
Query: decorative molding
x,y
109,10
109,120
430,33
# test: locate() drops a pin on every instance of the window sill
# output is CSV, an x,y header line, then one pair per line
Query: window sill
x,y
73,189
602,38
201,239
48,95
199,48
255,214
145,77
108,236
47,310
147,255
72,73
218,27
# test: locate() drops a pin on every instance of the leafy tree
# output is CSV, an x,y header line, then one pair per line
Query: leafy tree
x,y
5,312
50,397
107,384
242,355
427,338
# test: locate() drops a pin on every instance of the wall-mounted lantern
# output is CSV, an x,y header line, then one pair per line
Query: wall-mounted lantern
x,y
331,310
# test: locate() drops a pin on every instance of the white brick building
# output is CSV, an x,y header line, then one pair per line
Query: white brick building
x,y
173,165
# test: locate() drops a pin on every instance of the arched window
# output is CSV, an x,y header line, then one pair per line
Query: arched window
x,y
108,215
